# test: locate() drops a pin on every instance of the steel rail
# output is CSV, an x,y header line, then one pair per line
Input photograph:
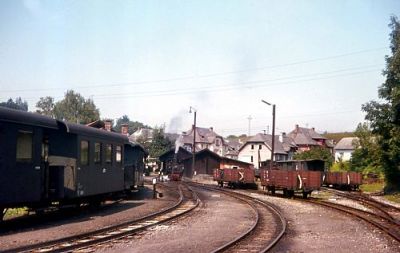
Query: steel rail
x,y
379,206
251,201
113,232
386,225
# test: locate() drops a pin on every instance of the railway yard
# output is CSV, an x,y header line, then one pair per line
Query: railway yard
x,y
194,217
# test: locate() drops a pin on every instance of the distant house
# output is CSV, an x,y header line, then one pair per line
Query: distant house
x,y
206,138
345,148
307,138
289,146
258,149
233,147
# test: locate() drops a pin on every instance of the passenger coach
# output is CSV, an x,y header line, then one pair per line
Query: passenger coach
x,y
44,161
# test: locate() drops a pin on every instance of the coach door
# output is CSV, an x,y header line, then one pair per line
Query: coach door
x,y
28,164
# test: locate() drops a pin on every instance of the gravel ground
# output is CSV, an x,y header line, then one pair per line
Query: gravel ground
x,y
218,220
139,205
316,229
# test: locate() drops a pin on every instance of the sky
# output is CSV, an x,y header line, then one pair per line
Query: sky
x,y
317,61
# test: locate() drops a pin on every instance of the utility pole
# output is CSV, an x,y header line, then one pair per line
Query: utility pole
x,y
194,139
273,132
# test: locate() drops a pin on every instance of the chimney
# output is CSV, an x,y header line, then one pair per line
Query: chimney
x,y
124,129
297,128
313,129
281,137
107,125
211,129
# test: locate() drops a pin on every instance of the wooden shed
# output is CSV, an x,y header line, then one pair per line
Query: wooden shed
x,y
206,161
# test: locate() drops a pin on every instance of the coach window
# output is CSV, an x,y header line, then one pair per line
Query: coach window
x,y
97,152
84,153
108,153
118,154
24,146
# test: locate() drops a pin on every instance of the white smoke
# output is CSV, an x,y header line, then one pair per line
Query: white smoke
x,y
178,143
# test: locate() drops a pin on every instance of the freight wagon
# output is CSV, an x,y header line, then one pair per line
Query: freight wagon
x,y
343,180
291,181
234,177
293,176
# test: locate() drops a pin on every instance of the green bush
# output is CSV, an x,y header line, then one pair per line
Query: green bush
x,y
340,166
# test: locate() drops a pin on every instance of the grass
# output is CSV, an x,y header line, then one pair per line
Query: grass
x,y
374,187
393,197
14,212
377,187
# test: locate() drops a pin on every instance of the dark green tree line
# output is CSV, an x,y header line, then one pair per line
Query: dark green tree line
x,y
73,108
17,105
385,116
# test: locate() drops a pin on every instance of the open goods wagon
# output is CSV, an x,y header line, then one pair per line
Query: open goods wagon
x,y
234,177
345,180
291,181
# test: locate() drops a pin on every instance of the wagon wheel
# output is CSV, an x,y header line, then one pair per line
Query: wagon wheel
x,y
285,193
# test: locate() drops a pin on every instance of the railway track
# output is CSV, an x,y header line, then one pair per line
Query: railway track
x,y
87,242
379,219
261,236
382,209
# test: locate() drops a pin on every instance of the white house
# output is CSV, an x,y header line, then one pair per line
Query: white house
x,y
257,149
344,148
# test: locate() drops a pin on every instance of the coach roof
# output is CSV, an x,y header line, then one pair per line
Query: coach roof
x,y
35,119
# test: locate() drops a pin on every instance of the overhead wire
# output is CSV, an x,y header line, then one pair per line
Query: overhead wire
x,y
199,76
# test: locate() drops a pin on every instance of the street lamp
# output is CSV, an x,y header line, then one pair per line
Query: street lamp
x,y
194,138
273,132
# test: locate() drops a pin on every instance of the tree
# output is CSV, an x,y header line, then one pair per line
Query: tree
x,y
365,157
17,105
384,116
159,144
316,153
75,108
46,106
132,125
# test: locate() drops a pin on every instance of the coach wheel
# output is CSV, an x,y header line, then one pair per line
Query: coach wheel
x,y
305,194
285,193
2,213
273,190
291,193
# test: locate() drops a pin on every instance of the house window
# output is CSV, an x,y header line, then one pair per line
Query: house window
x,y
84,152
118,154
108,153
252,146
259,146
24,146
217,142
251,158
97,152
